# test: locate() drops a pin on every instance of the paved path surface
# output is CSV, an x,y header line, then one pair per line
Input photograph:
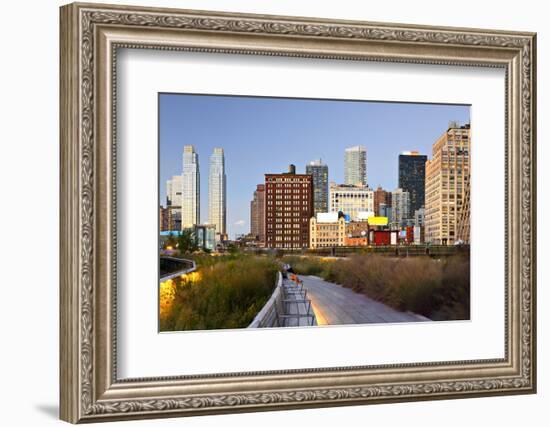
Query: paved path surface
x,y
335,305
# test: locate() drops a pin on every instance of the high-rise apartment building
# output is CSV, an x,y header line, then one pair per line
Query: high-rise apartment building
x,y
447,179
170,217
382,199
356,201
327,230
257,215
319,171
190,195
288,208
412,167
217,202
173,191
401,208
355,165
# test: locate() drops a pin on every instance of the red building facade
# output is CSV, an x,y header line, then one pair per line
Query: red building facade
x,y
288,209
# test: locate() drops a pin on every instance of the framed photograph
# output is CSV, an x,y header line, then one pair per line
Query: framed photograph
x,y
266,212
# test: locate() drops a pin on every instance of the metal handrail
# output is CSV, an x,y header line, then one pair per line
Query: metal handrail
x,y
193,267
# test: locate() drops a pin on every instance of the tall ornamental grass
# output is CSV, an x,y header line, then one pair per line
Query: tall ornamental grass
x,y
436,288
224,294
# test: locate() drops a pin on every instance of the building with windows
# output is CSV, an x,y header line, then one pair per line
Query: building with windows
x,y
257,215
163,219
319,172
382,198
385,210
401,208
205,236
419,217
217,203
288,208
357,233
412,167
327,230
355,165
190,195
173,191
463,222
447,180
354,201
170,218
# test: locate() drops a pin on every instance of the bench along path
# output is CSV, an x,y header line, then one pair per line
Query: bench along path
x,y
335,305
294,306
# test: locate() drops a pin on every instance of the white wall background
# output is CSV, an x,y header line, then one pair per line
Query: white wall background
x,y
29,170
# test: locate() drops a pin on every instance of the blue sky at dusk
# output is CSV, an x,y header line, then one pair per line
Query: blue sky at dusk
x,y
264,135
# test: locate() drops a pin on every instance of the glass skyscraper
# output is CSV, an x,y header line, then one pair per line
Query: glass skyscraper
x,y
412,173
320,185
217,191
190,195
355,165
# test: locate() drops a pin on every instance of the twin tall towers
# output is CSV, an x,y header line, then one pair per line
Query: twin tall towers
x,y
190,190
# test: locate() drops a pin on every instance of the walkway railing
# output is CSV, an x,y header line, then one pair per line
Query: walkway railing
x,y
175,267
267,316
287,306
386,250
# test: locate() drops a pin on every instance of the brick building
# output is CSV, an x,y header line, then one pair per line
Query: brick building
x,y
288,208
357,233
381,197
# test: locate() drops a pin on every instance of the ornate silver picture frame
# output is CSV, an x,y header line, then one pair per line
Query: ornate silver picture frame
x,y
91,36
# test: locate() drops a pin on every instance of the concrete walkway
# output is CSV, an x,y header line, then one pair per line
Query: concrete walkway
x,y
335,305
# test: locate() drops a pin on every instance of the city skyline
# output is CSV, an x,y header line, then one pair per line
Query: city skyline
x,y
264,135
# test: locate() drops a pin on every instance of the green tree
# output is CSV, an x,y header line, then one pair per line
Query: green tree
x,y
171,241
187,241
